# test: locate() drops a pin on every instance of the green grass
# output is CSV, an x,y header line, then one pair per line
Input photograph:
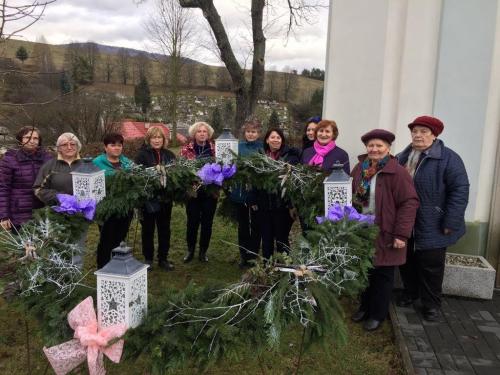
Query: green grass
x,y
364,353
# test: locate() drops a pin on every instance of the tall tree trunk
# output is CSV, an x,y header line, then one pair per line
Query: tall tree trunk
x,y
175,65
259,52
246,95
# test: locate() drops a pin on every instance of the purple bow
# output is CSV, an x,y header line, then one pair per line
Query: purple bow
x,y
337,212
213,173
68,204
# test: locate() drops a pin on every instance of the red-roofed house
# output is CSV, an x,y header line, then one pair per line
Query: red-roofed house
x,y
133,129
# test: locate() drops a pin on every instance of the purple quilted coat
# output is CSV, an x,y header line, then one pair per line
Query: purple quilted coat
x,y
18,171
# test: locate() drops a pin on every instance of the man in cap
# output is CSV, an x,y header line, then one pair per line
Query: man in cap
x,y
442,185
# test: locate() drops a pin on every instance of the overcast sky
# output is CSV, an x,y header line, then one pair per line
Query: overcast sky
x,y
121,23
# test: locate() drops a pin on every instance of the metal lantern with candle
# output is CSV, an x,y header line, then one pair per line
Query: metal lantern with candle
x,y
225,145
88,181
338,188
122,289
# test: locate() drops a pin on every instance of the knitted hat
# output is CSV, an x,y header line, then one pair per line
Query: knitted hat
x,y
382,134
434,124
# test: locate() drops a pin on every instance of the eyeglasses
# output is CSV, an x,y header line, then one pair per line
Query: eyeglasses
x,y
69,144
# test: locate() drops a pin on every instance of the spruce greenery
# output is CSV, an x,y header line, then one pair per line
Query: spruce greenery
x,y
142,94
22,54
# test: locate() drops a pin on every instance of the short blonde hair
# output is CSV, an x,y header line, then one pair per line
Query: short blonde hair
x,y
155,131
194,128
69,137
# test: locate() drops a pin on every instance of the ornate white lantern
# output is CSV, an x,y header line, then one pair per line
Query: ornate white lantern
x,y
225,146
88,181
122,289
338,188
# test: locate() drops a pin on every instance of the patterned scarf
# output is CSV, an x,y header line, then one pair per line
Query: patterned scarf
x,y
321,151
368,170
413,161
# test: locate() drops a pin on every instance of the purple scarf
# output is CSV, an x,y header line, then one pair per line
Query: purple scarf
x,y
321,152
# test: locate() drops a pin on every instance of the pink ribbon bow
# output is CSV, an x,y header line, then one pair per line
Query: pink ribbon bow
x,y
90,341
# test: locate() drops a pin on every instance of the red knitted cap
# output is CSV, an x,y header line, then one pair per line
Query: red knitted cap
x,y
434,124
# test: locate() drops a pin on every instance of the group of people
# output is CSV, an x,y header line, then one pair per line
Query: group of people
x,y
418,198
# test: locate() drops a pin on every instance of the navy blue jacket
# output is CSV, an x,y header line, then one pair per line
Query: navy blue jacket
x,y
443,189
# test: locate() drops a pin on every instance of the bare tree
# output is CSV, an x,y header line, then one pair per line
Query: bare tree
x,y
289,78
142,67
222,80
89,115
123,65
17,16
190,75
271,83
206,74
43,56
171,31
81,59
247,93
109,67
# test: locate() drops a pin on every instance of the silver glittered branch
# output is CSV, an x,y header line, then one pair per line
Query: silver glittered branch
x,y
47,259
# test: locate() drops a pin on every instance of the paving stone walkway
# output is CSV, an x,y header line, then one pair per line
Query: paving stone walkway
x,y
465,340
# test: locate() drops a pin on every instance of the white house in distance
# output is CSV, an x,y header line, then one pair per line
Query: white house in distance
x,y
389,61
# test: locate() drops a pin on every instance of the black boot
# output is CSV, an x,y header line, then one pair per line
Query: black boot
x,y
203,256
189,255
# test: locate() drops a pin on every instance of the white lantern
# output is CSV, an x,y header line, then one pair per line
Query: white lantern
x,y
225,146
122,290
338,188
88,181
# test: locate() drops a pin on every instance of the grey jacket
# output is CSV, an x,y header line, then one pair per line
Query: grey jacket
x,y
53,178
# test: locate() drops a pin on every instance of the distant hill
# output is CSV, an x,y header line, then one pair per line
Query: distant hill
x,y
113,50
195,74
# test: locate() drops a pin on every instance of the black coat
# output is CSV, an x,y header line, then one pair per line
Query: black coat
x,y
443,190
148,157
271,201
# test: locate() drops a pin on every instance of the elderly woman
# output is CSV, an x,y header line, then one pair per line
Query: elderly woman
x,y
18,170
157,211
244,200
200,210
443,188
115,228
309,135
324,152
54,176
275,215
383,188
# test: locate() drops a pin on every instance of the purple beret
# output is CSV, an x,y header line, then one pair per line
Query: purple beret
x,y
434,124
382,134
